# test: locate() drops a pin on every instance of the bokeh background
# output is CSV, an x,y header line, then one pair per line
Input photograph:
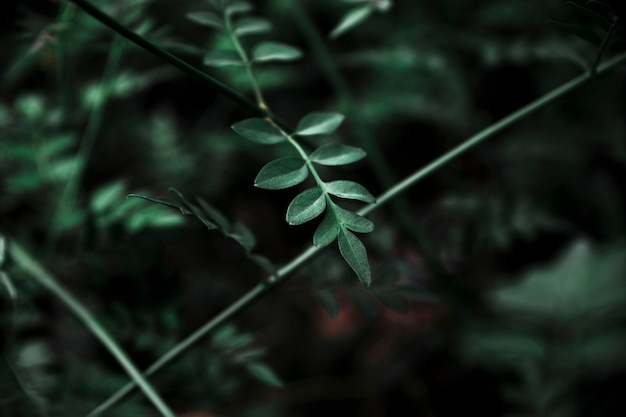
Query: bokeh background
x,y
498,280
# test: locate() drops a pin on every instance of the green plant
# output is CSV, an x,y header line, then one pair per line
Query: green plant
x,y
51,172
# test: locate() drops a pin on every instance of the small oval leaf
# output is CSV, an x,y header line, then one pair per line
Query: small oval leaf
x,y
259,131
353,221
329,302
306,206
206,19
282,173
252,26
327,230
238,6
163,200
355,254
319,123
351,19
264,374
222,59
334,154
349,189
275,51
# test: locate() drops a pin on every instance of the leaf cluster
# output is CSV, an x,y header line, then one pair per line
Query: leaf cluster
x,y
227,18
287,172
213,219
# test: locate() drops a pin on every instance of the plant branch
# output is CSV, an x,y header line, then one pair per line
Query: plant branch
x,y
400,187
171,59
44,278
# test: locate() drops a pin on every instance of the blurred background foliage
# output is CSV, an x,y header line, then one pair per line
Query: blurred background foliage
x,y
516,308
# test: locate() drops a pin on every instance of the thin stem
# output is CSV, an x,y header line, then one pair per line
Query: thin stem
x,y
604,45
63,76
201,76
492,130
183,346
311,251
246,60
364,135
44,278
94,123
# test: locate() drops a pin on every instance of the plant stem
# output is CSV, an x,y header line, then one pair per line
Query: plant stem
x,y
311,251
183,346
363,133
44,278
201,76
88,140
63,65
604,45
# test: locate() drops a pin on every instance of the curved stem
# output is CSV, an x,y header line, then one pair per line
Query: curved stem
x,y
44,278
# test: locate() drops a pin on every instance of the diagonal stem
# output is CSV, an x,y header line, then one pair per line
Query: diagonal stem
x,y
283,273
173,60
24,260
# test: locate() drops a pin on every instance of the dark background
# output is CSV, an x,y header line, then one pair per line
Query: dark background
x,y
509,258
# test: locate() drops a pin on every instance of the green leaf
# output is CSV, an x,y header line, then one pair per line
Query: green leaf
x,y
242,235
206,19
349,189
195,210
252,26
259,131
327,230
214,214
582,32
355,254
107,195
319,123
282,173
222,59
274,51
333,154
306,206
351,19
265,264
597,18
353,221
163,200
328,301
238,6
264,374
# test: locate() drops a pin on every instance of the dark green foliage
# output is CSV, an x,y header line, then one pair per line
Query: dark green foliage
x,y
495,284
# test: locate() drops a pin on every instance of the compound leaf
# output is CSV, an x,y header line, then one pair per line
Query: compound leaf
x,y
252,26
355,254
319,123
327,230
282,173
195,210
206,19
306,206
259,131
222,59
349,189
275,51
336,154
351,19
